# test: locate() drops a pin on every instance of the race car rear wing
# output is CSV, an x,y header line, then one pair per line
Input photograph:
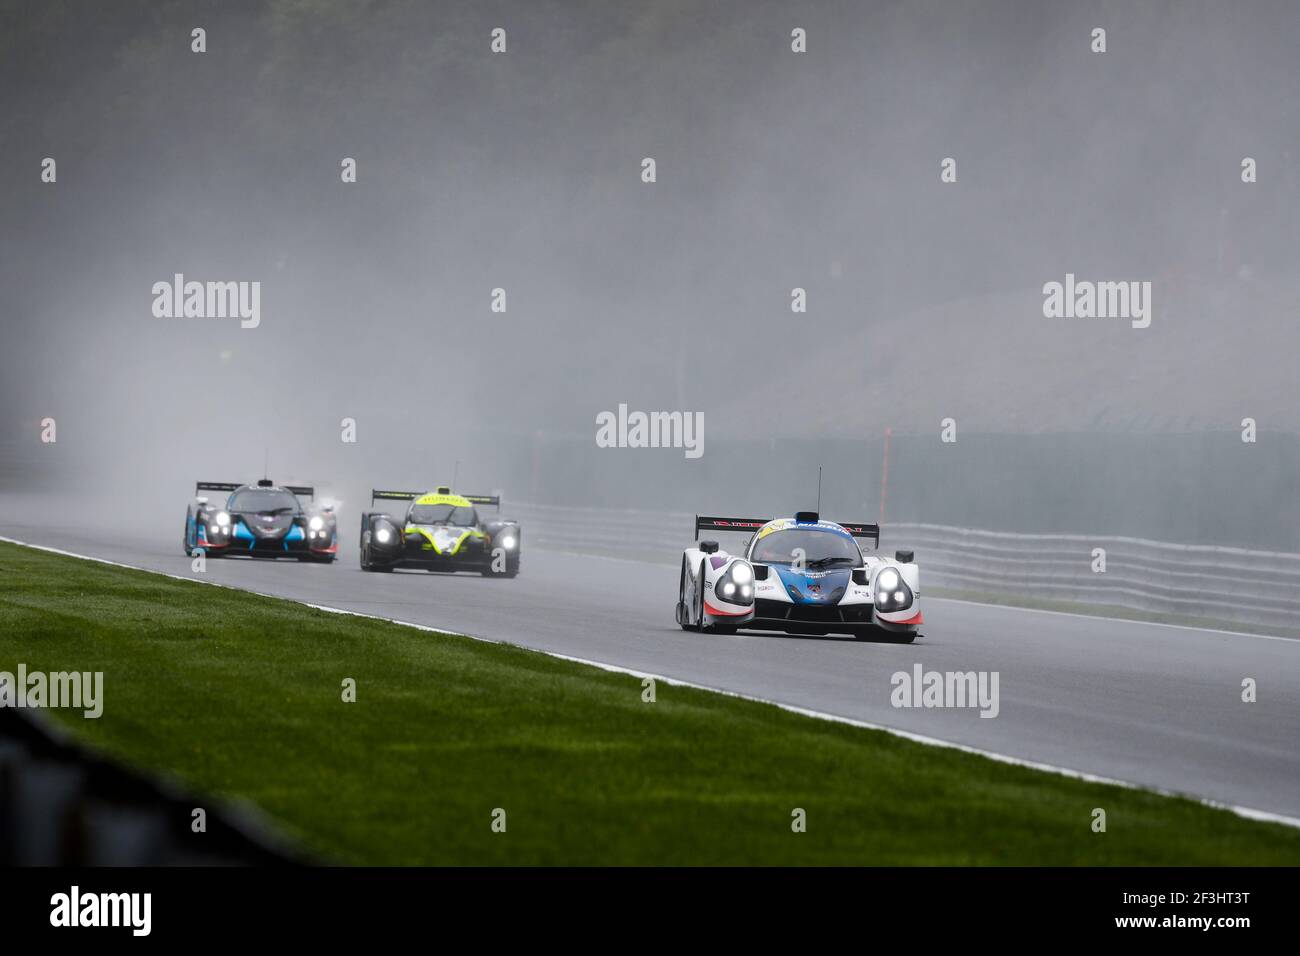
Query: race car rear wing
x,y
378,495
704,523
304,490
857,529
214,486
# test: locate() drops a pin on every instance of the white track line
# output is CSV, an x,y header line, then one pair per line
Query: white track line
x,y
1249,813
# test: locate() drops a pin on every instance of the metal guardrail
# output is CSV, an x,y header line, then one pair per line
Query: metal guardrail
x,y
1225,584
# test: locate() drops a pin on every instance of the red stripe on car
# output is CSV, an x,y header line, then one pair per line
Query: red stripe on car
x,y
716,612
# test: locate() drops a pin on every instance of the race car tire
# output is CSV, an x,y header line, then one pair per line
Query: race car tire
x,y
879,635
683,617
699,599
718,627
511,571
367,564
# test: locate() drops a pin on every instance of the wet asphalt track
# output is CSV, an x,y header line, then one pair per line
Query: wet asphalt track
x,y
1150,704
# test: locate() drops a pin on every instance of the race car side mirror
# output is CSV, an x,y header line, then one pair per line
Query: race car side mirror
x,y
202,499
709,547
904,557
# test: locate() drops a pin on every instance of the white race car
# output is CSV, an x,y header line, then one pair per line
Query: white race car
x,y
801,575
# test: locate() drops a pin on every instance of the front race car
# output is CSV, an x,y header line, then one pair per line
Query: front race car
x,y
263,520
440,531
799,575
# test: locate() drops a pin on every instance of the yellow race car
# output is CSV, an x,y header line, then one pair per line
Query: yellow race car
x,y
441,531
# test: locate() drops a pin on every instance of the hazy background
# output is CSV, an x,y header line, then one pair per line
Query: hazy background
x,y
775,170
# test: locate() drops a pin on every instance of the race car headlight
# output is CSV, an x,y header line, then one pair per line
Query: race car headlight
x,y
736,584
383,535
223,519
316,523
508,541
892,592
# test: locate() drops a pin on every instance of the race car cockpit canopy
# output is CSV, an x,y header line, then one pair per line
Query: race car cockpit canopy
x,y
440,506
258,492
817,545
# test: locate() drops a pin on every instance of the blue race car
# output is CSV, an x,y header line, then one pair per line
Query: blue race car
x,y
800,575
263,520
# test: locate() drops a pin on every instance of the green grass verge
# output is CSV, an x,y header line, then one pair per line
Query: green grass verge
x,y
240,696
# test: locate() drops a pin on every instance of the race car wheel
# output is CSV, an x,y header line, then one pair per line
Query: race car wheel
x,y
367,564
869,632
511,571
683,618
699,600
718,627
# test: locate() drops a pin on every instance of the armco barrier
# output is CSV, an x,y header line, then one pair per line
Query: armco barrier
x,y
1226,584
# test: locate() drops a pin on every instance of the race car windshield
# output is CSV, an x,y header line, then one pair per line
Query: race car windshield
x,y
820,549
443,514
265,500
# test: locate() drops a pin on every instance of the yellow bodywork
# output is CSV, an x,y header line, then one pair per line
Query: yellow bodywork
x,y
780,524
449,544
456,501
